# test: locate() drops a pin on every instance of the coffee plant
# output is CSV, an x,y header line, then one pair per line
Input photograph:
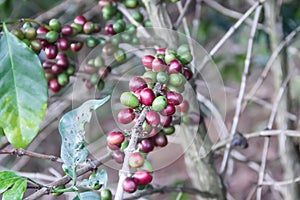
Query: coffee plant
x,y
141,99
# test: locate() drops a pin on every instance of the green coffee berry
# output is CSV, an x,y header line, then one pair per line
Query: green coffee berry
x,y
129,99
159,103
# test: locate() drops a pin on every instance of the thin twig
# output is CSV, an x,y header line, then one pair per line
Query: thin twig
x,y
22,152
221,127
261,173
281,183
287,40
242,88
267,139
170,189
229,33
233,14
182,13
64,180
197,18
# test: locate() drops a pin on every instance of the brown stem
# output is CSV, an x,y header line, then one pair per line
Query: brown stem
x,y
170,189
21,152
64,180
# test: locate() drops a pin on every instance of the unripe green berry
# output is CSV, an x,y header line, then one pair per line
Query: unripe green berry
x,y
182,49
106,194
120,55
151,75
129,99
91,42
94,78
100,85
70,70
177,79
159,103
55,25
137,16
131,3
52,36
99,62
185,58
30,33
169,57
169,130
162,77
18,33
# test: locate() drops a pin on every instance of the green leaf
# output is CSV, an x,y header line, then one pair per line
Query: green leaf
x,y
100,178
71,129
23,91
16,183
88,196
6,7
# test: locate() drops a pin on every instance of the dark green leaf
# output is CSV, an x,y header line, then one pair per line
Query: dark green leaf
x,y
16,183
100,178
71,129
88,196
23,91
6,7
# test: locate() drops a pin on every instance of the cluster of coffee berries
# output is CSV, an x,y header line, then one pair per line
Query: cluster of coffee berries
x,y
156,99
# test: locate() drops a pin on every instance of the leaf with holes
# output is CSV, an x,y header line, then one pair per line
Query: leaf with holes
x,y
88,196
71,129
12,185
23,91
95,180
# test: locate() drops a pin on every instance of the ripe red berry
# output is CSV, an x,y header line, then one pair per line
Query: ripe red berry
x,y
161,51
51,51
158,65
152,118
55,69
174,98
109,29
147,96
136,160
165,121
42,30
64,63
129,185
137,83
67,30
119,156
103,72
169,110
187,73
53,85
147,61
115,138
63,44
161,140
146,145
47,64
81,20
126,116
76,46
184,106
174,66
142,177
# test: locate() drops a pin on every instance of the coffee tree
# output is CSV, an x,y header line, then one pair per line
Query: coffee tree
x,y
120,100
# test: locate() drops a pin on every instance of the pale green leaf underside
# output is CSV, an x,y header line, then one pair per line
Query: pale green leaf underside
x,y
23,91
100,178
71,129
88,196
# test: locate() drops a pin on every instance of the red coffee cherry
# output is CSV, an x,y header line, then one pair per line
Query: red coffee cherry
x,y
174,66
67,30
53,85
146,145
147,96
158,65
161,140
137,83
174,98
184,106
126,116
51,51
129,185
147,61
109,29
136,160
169,110
187,73
142,177
118,156
165,121
115,138
152,118
81,20
63,44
